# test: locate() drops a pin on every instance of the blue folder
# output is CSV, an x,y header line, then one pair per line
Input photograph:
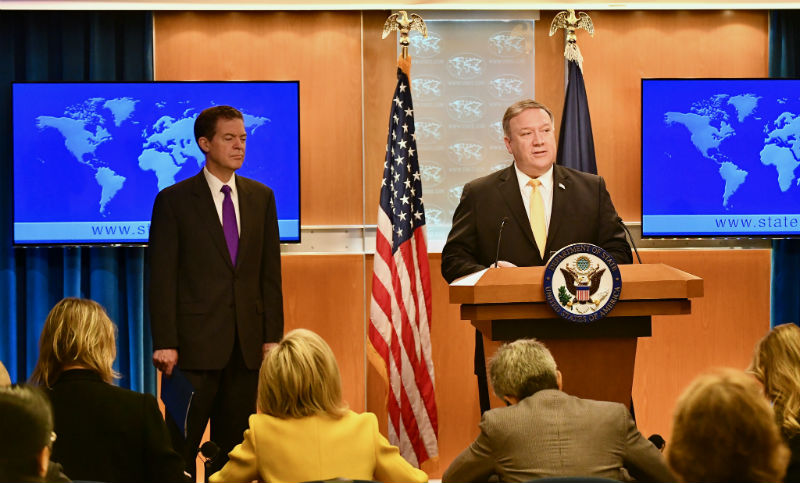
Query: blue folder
x,y
177,393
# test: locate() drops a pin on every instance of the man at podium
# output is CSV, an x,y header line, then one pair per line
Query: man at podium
x,y
519,215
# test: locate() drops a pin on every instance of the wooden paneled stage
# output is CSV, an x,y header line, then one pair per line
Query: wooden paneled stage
x,y
347,77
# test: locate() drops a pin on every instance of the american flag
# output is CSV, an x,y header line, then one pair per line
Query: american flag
x,y
400,311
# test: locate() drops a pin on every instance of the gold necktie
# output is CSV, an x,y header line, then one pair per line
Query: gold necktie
x,y
536,216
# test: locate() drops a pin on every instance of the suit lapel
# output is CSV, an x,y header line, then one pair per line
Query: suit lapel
x,y
559,213
208,216
245,217
509,189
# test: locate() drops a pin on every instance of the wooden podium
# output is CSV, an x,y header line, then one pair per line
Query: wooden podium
x,y
595,359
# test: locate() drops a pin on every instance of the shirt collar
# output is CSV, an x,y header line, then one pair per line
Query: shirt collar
x,y
546,179
216,184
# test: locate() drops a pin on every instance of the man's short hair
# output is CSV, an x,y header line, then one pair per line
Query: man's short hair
x,y
724,430
300,377
518,107
26,428
205,125
522,368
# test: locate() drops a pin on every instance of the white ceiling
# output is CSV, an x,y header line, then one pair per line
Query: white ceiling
x,y
412,5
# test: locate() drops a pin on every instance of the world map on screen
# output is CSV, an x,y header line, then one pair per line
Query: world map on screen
x,y
103,135
728,152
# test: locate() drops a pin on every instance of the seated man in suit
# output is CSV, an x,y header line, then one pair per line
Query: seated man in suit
x,y
546,433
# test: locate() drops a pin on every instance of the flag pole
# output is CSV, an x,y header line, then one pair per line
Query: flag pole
x,y
401,298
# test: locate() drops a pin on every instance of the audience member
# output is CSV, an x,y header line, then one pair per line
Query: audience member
x,y
776,363
106,433
26,434
724,431
545,432
304,431
658,441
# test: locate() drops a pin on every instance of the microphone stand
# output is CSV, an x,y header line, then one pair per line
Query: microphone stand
x,y
499,237
630,237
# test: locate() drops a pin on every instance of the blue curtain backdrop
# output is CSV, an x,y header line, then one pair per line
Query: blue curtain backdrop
x,y
784,47
70,46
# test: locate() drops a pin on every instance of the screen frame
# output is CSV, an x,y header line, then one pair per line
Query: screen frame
x,y
699,236
18,244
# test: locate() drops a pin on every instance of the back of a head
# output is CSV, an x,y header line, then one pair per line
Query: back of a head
x,y
26,428
522,368
724,431
776,363
300,377
76,332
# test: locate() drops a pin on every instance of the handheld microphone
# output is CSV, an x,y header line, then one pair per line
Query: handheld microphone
x,y
209,450
630,237
499,237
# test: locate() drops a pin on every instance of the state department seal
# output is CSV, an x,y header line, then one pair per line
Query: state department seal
x,y
582,282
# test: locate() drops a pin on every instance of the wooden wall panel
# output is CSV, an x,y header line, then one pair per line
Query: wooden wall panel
x,y
721,331
549,75
380,79
629,45
325,293
320,49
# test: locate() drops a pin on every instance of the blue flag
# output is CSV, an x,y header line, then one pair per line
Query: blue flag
x,y
575,142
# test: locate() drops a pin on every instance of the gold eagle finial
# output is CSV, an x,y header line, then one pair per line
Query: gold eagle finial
x,y
568,21
404,23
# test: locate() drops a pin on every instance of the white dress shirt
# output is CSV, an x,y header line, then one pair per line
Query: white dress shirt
x,y
215,185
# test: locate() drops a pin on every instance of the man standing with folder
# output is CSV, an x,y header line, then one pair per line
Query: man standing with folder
x,y
215,283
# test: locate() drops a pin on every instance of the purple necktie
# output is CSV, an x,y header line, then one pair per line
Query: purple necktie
x,y
229,226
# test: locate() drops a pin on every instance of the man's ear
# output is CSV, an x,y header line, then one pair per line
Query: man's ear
x,y
203,143
507,140
558,380
43,460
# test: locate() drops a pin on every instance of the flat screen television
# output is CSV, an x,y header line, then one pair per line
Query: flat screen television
x,y
90,157
720,157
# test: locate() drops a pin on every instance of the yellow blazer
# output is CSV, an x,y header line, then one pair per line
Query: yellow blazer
x,y
316,448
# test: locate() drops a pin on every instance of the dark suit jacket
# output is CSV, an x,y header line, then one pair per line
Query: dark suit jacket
x,y
106,433
552,434
196,294
582,213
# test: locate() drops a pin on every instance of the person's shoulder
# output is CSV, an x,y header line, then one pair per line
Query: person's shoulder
x,y
565,172
609,408
252,184
182,186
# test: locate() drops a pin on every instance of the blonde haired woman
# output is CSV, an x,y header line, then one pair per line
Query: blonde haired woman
x,y
305,431
776,363
724,430
105,433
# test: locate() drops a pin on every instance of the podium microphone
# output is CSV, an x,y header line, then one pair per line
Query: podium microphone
x,y
209,450
622,223
499,237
